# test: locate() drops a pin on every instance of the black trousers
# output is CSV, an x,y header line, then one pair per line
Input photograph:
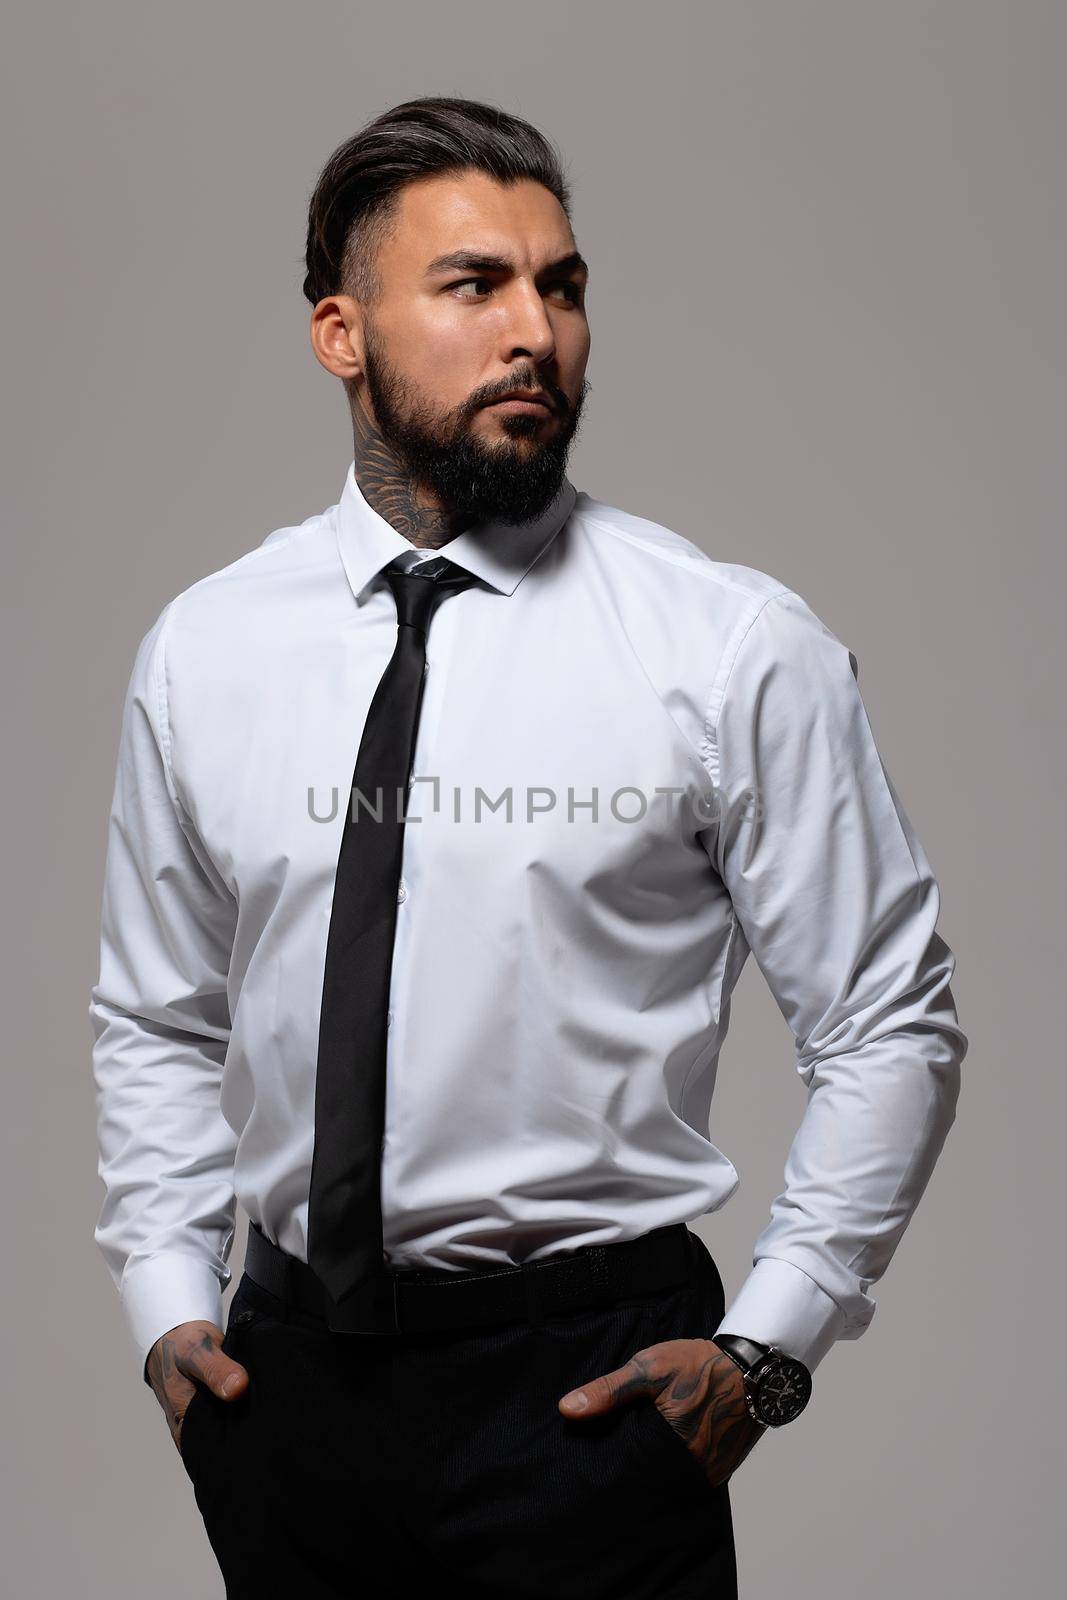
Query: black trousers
x,y
360,1465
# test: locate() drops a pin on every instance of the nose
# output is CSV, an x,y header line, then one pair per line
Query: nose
x,y
529,329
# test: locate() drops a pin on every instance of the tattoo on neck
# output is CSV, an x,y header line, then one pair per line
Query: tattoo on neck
x,y
389,489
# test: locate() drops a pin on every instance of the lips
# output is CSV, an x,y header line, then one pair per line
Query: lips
x,y
524,399
536,405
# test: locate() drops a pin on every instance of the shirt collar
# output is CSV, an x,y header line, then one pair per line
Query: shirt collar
x,y
499,552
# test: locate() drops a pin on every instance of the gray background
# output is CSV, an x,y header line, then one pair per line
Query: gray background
x,y
828,251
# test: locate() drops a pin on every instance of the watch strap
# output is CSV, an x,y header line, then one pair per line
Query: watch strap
x,y
744,1352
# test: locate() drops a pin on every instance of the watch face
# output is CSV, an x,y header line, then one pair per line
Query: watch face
x,y
781,1390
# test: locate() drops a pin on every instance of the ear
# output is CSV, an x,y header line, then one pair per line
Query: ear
x,y
336,334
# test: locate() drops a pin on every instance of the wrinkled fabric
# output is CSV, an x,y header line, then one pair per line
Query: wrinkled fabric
x,y
636,765
390,1466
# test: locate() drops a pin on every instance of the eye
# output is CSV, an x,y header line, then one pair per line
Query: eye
x,y
575,291
463,283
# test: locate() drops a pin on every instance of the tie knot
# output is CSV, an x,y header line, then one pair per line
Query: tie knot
x,y
420,590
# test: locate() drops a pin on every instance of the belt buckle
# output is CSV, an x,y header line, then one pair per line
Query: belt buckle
x,y
372,1307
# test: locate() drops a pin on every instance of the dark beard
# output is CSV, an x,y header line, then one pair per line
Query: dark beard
x,y
475,480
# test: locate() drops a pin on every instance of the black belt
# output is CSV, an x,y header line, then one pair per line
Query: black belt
x,y
432,1299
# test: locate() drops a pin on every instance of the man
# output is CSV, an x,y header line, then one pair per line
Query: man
x,y
429,879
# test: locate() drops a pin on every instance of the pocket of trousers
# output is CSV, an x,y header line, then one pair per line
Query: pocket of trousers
x,y
190,1423
664,1447
693,1314
243,1317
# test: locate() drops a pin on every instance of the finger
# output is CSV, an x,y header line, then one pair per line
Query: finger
x,y
175,1398
204,1360
611,1389
180,1394
180,1391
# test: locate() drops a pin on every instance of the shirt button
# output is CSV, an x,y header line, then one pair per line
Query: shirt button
x,y
388,1019
402,892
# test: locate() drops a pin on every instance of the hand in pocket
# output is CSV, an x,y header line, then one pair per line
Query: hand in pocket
x,y
696,1388
188,1355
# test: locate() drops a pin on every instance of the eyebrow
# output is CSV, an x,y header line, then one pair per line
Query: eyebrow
x,y
476,261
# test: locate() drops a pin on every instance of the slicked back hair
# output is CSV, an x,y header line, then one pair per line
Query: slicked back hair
x,y
356,197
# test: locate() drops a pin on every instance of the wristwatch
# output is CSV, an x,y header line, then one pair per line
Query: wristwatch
x,y
777,1386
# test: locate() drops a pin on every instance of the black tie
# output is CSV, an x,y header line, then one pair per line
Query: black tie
x,y
345,1246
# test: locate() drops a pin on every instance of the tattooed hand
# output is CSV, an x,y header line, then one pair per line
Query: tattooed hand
x,y
697,1388
190,1354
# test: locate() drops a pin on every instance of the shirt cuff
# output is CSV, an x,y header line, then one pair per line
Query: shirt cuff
x,y
159,1292
780,1304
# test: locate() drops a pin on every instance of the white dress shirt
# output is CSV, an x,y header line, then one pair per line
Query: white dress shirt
x,y
561,982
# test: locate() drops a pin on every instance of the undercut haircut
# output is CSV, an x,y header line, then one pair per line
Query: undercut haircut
x,y
354,204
